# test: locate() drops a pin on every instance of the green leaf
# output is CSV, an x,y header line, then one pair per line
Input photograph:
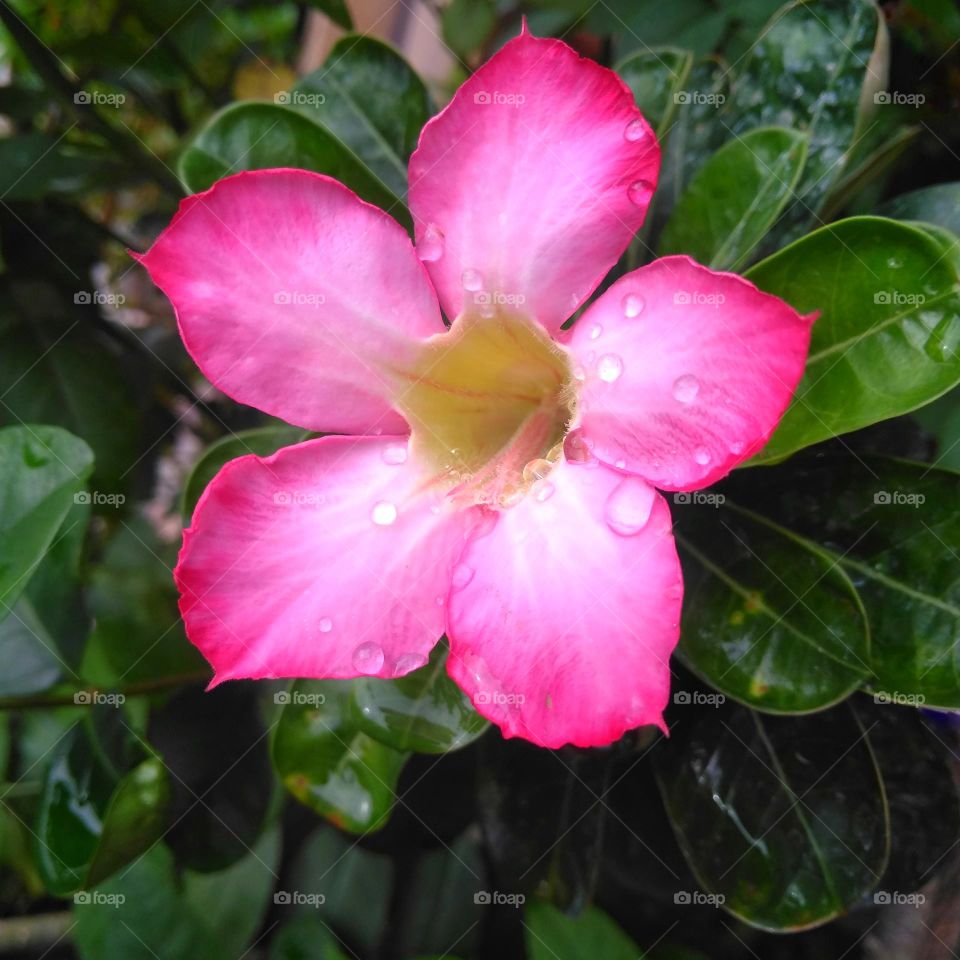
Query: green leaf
x,y
153,910
735,198
768,617
939,204
783,820
90,821
425,711
261,441
656,78
42,471
327,764
808,71
259,136
367,96
590,936
886,341
305,938
336,10
468,25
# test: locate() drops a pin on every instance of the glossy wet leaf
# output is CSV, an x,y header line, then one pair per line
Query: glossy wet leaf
x,y
769,618
91,820
425,711
735,198
328,764
154,909
42,470
807,71
784,818
888,336
587,936
656,78
261,441
259,136
368,97
938,204
895,528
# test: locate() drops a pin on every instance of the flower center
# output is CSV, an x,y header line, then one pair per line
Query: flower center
x,y
488,404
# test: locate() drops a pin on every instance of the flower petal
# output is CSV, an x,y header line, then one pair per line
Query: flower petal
x,y
292,294
530,184
686,371
563,616
326,559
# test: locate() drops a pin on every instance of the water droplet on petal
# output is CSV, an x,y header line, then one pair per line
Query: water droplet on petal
x,y
736,447
471,279
395,453
575,448
621,464
635,130
609,367
430,247
640,192
632,305
595,331
461,576
326,625
544,491
368,659
578,373
383,513
686,388
408,663
702,456
628,508
536,469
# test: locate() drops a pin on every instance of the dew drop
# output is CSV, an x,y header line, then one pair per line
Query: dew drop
x,y
578,373
545,490
609,367
462,575
368,659
471,279
628,508
575,448
408,663
634,131
686,388
536,470
595,331
894,263
621,464
430,247
736,447
702,456
326,625
384,513
632,304
394,453
640,192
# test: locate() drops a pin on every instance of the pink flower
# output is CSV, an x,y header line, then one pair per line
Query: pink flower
x,y
497,481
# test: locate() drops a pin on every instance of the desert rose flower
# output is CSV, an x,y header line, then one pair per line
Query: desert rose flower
x,y
494,481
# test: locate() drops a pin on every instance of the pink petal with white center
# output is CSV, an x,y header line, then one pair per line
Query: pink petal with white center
x,y
686,371
294,296
531,183
327,559
563,616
